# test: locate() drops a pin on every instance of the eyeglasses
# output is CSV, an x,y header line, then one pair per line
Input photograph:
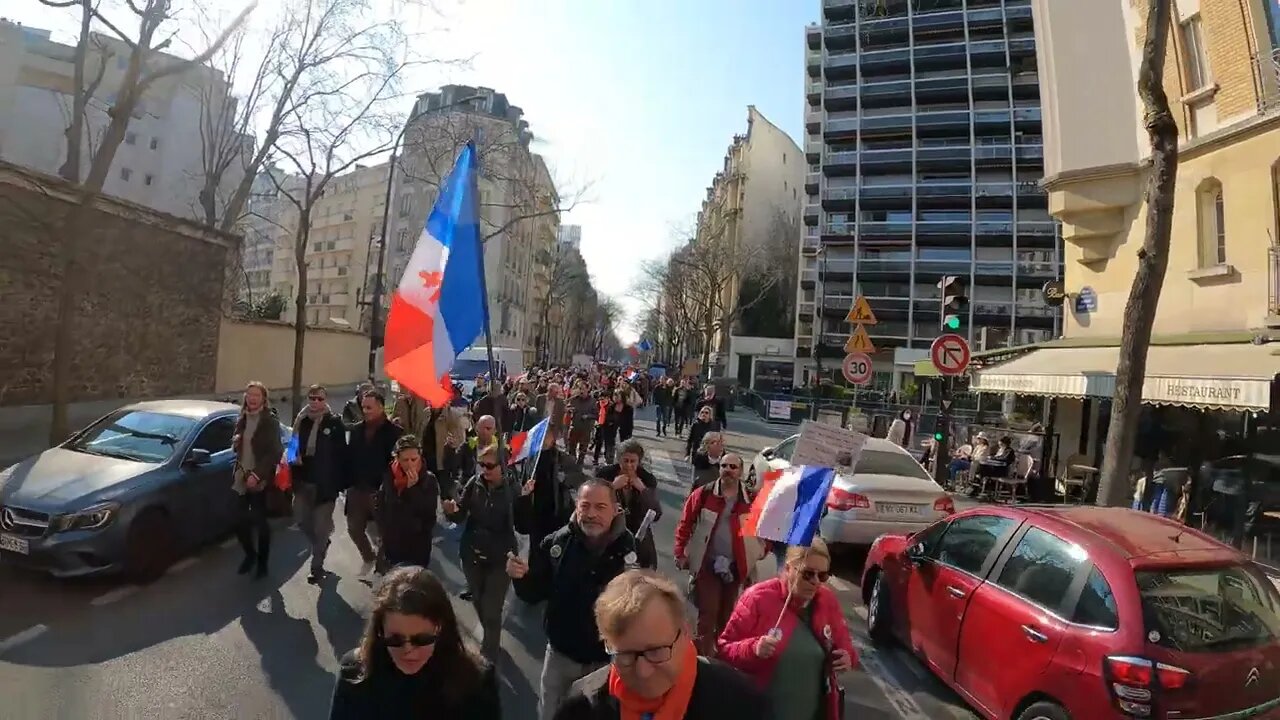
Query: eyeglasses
x,y
488,465
814,575
654,655
730,466
416,640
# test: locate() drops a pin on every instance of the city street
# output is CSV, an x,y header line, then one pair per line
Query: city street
x,y
204,642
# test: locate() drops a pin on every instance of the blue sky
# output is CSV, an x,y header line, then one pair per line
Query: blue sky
x,y
635,99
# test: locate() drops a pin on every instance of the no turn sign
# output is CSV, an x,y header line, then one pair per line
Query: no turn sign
x,y
857,368
950,354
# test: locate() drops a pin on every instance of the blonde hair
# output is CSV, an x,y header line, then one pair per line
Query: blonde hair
x,y
487,450
708,439
797,554
627,595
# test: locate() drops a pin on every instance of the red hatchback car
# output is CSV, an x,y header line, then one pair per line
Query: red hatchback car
x,y
1083,613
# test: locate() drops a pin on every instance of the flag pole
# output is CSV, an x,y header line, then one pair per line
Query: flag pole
x,y
484,290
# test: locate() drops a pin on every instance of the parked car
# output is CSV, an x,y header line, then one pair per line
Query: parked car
x,y
1084,613
125,495
888,491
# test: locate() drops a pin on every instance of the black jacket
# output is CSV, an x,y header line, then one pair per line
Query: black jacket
x,y
566,573
548,508
369,458
685,399
719,691
387,694
663,396
635,504
407,518
495,405
326,469
488,518
522,419
717,407
584,409
351,413
697,430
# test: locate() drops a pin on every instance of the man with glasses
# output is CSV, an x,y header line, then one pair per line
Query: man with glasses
x,y
654,667
568,570
709,545
319,473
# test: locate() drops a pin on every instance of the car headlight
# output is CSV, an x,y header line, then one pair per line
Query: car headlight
x,y
94,517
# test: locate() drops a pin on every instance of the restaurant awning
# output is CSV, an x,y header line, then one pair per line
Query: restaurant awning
x,y
1229,376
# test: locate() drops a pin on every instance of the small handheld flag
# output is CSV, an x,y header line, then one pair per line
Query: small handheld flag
x,y
789,505
293,450
525,445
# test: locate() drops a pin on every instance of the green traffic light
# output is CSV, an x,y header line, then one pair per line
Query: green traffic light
x,y
952,322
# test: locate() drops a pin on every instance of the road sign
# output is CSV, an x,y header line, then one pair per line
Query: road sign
x,y
860,313
859,341
857,368
950,354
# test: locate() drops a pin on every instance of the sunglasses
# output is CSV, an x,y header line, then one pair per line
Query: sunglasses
x,y
418,640
812,575
730,466
488,465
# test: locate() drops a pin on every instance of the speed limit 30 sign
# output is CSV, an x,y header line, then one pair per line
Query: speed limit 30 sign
x,y
857,368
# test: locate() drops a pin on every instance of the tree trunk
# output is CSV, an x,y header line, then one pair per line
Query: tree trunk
x,y
1153,261
70,169
300,317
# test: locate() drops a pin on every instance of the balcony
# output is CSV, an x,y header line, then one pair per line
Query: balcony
x,y
813,150
813,121
1037,269
815,92
811,213
812,181
1031,152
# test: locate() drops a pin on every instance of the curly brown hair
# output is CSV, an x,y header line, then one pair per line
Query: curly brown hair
x,y
413,590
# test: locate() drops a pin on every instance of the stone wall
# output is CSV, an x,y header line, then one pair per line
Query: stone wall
x,y
262,350
148,321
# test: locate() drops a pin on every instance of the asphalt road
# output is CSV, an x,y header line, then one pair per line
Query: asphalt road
x,y
203,642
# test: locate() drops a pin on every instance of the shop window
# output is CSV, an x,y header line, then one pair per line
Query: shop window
x,y
1211,212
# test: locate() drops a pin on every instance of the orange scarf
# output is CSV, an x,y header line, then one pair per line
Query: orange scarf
x,y
398,478
671,706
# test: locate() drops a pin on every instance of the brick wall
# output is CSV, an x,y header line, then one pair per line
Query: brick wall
x,y
149,315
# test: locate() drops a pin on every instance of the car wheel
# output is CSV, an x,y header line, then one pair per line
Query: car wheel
x,y
879,625
1045,710
151,545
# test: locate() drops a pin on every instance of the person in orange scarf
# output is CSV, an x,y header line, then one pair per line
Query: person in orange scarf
x,y
655,672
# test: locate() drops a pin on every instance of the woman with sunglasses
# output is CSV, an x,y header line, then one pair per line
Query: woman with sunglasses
x,y
411,662
790,636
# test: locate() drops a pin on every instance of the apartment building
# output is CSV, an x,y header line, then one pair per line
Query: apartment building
x,y
923,124
517,199
1215,347
571,235
750,210
158,165
345,225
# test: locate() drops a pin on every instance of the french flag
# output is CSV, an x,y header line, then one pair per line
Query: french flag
x,y
439,307
789,505
525,445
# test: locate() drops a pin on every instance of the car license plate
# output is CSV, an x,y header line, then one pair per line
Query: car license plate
x,y
13,543
898,509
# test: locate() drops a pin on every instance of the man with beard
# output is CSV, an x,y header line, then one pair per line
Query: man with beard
x,y
569,569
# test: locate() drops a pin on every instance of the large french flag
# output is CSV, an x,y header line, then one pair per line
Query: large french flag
x,y
438,310
525,445
789,505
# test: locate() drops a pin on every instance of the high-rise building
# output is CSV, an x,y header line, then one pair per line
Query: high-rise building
x,y
571,235
160,163
518,222
925,156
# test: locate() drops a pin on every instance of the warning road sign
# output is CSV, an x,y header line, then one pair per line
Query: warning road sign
x,y
860,313
859,341
857,368
950,354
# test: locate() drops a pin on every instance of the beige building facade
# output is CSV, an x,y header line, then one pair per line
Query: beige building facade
x,y
1216,338
752,207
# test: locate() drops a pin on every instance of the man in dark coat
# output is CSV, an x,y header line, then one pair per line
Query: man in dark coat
x,y
637,491
369,452
319,472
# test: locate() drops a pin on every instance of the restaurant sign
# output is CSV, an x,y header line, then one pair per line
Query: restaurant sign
x,y
1208,392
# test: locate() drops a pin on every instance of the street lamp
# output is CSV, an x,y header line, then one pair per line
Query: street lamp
x,y
375,334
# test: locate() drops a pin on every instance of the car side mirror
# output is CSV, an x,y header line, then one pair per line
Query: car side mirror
x,y
767,453
915,553
198,456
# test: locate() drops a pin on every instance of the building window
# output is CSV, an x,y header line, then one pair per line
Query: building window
x,y
402,240
1211,207
1193,53
125,174
406,204
155,143
148,179
130,138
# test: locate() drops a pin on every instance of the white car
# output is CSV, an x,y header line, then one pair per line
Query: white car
x,y
888,492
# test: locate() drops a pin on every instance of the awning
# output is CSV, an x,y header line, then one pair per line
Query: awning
x,y
1229,376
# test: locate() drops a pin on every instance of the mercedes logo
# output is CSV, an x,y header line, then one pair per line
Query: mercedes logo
x,y
8,519
1252,677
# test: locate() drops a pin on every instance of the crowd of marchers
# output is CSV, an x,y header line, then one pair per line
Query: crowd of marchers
x,y
619,644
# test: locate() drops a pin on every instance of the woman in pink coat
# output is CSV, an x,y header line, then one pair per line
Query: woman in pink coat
x,y
789,635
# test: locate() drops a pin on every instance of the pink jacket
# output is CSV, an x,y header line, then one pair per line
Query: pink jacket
x,y
754,615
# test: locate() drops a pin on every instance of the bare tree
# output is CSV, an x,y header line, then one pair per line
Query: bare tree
x,y
507,164
146,66
608,313
566,275
1153,259
344,118
89,50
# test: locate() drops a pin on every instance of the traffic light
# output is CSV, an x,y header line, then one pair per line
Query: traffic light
x,y
954,302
